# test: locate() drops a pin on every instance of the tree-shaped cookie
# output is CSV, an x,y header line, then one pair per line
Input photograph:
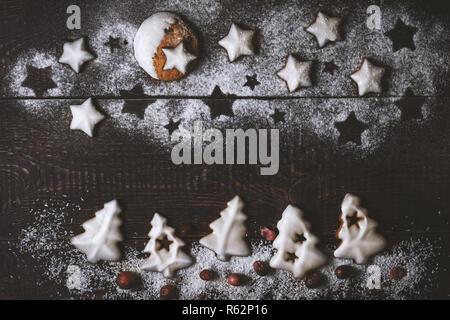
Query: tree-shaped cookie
x,y
296,245
99,241
359,239
228,236
164,247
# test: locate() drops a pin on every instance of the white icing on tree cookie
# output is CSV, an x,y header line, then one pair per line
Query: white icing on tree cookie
x,y
228,236
149,37
99,241
357,232
85,117
238,42
325,29
178,58
296,73
368,78
75,54
296,245
163,259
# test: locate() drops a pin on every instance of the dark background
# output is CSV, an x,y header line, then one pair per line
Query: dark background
x,y
405,183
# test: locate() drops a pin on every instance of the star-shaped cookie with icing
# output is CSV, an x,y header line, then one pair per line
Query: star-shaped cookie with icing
x,y
368,78
75,54
178,58
325,29
238,42
296,73
85,117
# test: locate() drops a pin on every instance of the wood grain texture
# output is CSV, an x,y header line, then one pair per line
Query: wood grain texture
x,y
406,186
402,169
23,274
280,32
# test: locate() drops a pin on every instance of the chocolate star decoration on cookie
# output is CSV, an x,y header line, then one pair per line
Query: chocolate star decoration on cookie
x,y
220,103
278,116
410,106
39,80
330,67
402,36
113,43
136,107
163,243
351,129
353,220
290,256
300,238
172,126
251,82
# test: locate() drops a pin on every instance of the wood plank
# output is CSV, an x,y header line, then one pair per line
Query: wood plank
x,y
52,179
280,32
405,181
43,274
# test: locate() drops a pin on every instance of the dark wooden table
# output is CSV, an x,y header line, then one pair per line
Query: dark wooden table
x,y
401,169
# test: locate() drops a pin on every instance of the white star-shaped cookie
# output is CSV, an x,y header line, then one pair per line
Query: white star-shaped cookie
x,y
368,78
296,73
325,29
238,42
85,117
75,54
178,58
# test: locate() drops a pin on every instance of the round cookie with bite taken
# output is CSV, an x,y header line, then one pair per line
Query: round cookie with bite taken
x,y
165,46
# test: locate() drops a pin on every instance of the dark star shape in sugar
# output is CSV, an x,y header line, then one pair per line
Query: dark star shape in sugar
x,y
220,103
113,43
402,36
39,80
136,107
278,116
251,82
410,105
330,67
351,129
172,126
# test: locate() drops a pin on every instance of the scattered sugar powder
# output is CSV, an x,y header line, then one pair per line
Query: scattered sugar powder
x,y
63,77
280,31
74,277
114,69
314,115
46,241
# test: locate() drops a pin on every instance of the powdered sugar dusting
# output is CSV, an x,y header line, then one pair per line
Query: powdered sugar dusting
x,y
46,242
115,69
63,76
316,115
74,279
279,33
